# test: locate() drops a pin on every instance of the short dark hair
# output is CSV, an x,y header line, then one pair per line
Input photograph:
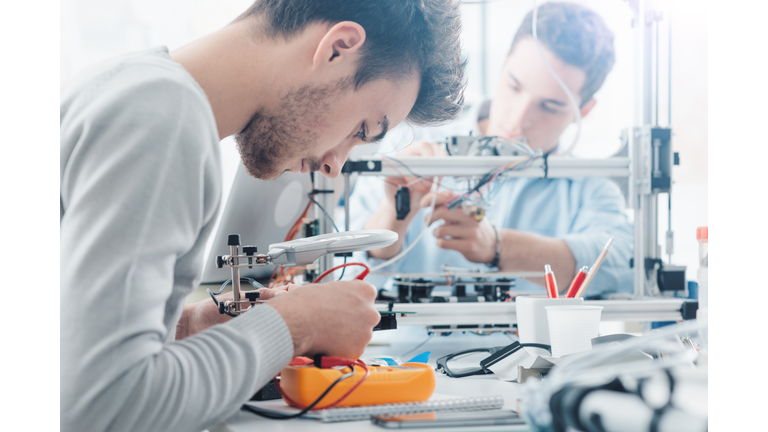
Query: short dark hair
x,y
402,36
578,36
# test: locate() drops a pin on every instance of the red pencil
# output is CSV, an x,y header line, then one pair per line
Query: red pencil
x,y
576,283
549,280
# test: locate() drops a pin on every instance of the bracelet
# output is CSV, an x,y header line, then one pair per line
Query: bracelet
x,y
495,261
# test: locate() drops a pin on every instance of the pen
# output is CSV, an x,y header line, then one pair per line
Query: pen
x,y
578,280
594,268
549,280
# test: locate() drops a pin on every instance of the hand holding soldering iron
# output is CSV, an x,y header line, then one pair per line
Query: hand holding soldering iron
x,y
462,232
335,318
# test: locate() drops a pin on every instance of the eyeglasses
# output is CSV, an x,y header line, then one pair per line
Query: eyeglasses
x,y
494,355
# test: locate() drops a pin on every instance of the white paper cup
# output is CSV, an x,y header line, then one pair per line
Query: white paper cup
x,y
572,328
532,324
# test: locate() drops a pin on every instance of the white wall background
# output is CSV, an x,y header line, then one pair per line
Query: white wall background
x,y
94,30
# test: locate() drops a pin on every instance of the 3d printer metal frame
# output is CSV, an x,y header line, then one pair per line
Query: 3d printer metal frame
x,y
495,316
642,167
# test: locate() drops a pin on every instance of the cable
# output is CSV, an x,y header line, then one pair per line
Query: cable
x,y
419,345
252,281
404,165
330,219
495,177
339,400
571,97
280,416
329,271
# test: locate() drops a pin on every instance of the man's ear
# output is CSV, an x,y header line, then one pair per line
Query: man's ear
x,y
340,44
587,107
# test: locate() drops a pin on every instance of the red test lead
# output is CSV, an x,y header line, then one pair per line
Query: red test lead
x,y
576,283
549,280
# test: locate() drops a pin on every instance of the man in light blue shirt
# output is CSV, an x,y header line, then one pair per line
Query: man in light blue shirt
x,y
561,222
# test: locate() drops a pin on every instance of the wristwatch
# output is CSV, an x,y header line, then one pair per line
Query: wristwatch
x,y
496,258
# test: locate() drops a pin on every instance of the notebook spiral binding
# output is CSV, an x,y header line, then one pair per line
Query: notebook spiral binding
x,y
394,410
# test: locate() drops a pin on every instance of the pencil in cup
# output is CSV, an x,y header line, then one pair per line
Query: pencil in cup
x,y
594,268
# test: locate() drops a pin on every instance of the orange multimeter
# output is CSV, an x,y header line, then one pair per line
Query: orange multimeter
x,y
411,382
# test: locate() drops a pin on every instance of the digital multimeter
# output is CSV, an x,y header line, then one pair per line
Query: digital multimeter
x,y
410,382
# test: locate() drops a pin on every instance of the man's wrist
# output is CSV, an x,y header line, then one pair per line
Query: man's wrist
x,y
182,327
497,256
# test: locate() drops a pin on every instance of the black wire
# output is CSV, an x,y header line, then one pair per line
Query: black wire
x,y
250,280
330,219
280,416
332,223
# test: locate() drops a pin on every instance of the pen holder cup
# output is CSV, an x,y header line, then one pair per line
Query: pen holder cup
x,y
572,328
532,323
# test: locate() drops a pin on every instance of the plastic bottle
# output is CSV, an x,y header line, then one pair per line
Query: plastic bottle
x,y
702,235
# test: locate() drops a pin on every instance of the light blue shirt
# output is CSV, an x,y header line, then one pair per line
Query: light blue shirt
x,y
584,212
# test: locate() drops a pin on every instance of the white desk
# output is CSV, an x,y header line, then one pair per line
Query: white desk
x,y
400,342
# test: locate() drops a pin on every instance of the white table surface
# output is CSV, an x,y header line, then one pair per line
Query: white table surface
x,y
398,343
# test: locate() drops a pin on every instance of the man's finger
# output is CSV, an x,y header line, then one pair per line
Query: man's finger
x,y
267,293
454,231
461,245
456,216
442,197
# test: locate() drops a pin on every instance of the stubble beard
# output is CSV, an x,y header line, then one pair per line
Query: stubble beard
x,y
270,139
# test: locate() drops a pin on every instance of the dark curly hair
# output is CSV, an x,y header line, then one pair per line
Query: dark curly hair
x,y
578,36
402,36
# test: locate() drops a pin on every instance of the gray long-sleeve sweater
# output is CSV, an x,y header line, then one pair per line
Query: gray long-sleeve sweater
x,y
140,189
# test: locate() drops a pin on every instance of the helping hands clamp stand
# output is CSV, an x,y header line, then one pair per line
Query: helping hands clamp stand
x,y
235,307
298,252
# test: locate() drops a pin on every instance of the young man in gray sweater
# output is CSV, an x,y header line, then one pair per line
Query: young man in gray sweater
x,y
299,83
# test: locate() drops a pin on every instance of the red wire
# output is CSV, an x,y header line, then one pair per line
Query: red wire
x,y
362,274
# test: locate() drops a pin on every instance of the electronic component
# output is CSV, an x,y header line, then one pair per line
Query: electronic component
x,y
421,290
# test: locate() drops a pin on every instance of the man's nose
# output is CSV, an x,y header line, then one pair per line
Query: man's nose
x,y
333,161
520,117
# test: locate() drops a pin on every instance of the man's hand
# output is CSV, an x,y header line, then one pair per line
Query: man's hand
x,y
334,318
385,217
198,316
461,232
521,251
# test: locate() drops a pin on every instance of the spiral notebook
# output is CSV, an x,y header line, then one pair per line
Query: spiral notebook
x,y
437,403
